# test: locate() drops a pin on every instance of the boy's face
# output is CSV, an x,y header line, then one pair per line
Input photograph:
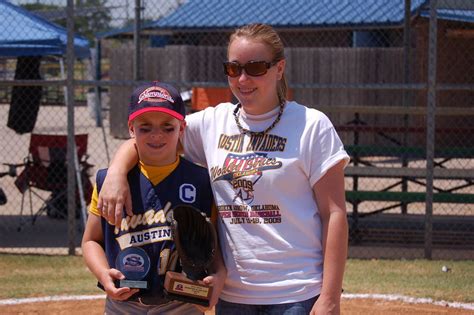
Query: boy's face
x,y
156,135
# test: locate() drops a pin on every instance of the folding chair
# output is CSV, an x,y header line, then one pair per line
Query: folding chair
x,y
46,170
12,173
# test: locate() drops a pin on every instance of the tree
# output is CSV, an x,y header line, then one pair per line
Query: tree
x,y
90,16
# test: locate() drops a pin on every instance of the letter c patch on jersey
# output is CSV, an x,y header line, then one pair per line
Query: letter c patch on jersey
x,y
187,193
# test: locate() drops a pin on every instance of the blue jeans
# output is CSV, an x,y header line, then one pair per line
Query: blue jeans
x,y
296,308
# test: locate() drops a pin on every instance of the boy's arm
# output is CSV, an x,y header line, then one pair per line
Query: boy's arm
x,y
96,261
115,192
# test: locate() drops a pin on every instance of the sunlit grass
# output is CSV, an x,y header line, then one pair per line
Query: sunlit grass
x,y
31,275
417,278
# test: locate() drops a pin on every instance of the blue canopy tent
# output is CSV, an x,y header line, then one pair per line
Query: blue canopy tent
x,y
28,37
23,33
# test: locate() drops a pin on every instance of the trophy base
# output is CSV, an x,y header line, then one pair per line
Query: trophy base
x,y
132,284
185,299
126,283
179,287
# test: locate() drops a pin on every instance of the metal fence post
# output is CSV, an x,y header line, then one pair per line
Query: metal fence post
x,y
430,128
71,187
97,89
136,41
406,79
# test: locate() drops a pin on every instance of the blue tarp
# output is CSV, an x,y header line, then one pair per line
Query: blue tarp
x,y
23,33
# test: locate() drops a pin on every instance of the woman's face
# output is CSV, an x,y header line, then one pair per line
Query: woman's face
x,y
156,135
257,94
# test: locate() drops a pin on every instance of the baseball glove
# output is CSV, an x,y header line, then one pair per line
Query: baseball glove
x,y
195,239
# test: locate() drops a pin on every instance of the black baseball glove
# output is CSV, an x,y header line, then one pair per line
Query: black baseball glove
x,y
195,239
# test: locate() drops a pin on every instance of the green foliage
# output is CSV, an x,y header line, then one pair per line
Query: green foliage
x,y
39,7
99,20
91,16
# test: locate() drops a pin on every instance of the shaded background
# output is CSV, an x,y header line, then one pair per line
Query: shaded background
x,y
395,78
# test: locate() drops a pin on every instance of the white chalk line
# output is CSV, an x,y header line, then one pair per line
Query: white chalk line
x,y
54,298
409,300
349,296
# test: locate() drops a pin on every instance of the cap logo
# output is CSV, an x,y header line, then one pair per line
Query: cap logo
x,y
155,94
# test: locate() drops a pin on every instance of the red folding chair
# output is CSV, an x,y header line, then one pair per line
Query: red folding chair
x,y
46,170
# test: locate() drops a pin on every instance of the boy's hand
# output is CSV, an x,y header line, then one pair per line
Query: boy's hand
x,y
113,196
120,294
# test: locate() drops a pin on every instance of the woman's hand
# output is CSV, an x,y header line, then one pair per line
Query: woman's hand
x,y
107,281
217,281
115,193
326,305
113,196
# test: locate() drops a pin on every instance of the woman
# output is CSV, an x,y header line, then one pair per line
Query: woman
x,y
277,173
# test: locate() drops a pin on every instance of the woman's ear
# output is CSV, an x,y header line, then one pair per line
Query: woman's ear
x,y
281,68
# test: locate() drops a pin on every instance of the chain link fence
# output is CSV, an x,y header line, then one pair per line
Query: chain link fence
x,y
395,77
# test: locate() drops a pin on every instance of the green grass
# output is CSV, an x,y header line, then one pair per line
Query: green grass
x,y
34,275
416,278
31,276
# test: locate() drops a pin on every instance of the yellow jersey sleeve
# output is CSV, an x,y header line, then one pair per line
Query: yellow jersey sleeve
x,y
94,199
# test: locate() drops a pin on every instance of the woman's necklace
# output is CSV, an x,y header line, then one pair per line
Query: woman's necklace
x,y
259,133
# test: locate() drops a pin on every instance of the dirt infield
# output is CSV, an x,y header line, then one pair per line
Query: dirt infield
x,y
349,306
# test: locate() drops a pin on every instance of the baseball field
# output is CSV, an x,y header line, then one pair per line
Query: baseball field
x,y
38,284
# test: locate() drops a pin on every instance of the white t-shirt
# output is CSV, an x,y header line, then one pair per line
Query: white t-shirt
x,y
269,226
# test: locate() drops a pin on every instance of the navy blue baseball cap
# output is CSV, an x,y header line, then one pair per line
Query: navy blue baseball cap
x,y
156,97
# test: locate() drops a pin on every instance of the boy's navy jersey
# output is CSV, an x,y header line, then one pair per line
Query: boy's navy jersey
x,y
148,228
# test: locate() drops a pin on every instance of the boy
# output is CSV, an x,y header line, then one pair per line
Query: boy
x,y
160,181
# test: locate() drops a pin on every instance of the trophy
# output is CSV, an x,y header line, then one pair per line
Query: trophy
x,y
134,264
196,242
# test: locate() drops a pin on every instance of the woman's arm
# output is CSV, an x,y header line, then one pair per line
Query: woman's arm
x,y
115,192
330,196
96,261
216,279
219,271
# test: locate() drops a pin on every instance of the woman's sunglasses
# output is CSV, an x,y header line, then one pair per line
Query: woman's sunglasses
x,y
254,68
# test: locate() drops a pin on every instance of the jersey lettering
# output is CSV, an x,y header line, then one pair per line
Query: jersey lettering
x,y
187,193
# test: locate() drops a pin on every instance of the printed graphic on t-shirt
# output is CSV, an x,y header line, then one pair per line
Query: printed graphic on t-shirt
x,y
243,171
257,143
255,214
